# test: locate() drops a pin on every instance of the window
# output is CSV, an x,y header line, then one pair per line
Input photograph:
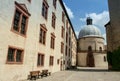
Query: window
x,y
62,32
63,17
69,52
64,62
40,61
66,50
54,3
66,37
52,43
29,0
58,61
70,30
67,24
20,20
51,60
53,20
69,41
43,30
45,9
100,49
15,55
89,48
104,59
62,47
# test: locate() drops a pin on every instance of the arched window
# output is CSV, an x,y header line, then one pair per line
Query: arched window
x,y
100,49
89,48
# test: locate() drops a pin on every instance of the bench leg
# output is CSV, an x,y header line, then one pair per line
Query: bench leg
x,y
33,77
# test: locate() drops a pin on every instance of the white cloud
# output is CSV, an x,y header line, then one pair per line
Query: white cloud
x,y
98,19
69,11
77,33
104,35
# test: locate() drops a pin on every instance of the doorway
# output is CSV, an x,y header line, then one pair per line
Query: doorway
x,y
90,58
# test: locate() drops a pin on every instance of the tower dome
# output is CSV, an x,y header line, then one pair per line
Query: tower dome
x,y
89,30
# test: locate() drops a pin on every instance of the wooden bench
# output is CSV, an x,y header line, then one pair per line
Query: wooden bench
x,y
45,73
34,75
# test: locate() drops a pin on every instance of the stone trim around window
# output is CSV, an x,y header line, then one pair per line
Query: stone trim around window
x,y
42,35
53,20
62,32
40,60
51,61
55,3
52,41
45,7
15,55
20,20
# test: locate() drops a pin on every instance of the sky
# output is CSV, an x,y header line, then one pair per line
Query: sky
x,y
79,10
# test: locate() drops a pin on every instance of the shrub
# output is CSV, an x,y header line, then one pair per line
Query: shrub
x,y
114,59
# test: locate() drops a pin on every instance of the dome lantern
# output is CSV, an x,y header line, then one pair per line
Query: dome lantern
x,y
89,21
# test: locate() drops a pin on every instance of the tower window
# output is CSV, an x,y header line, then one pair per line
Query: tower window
x,y
100,49
89,48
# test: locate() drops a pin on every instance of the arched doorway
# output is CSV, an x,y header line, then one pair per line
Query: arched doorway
x,y
90,57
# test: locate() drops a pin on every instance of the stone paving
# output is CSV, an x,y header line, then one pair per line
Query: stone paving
x,y
78,75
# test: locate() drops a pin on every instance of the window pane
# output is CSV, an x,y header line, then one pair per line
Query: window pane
x,y
42,60
44,11
11,55
16,20
44,33
41,35
18,56
23,24
38,62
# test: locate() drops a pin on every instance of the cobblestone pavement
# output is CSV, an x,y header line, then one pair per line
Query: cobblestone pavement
x,y
82,76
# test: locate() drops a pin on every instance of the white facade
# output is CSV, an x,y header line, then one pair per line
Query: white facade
x,y
30,43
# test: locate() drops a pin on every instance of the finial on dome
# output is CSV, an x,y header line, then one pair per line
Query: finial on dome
x,y
89,21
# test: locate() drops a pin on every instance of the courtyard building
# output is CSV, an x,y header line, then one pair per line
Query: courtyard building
x,y
35,35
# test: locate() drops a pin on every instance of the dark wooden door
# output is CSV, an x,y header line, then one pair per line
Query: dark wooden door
x,y
90,58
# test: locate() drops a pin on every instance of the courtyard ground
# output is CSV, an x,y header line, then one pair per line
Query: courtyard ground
x,y
82,75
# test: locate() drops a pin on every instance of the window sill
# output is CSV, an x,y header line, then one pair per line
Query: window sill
x,y
18,33
14,63
42,44
40,66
